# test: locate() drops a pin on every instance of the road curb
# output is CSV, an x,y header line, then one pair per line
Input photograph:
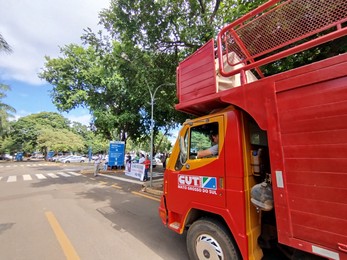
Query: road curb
x,y
152,191
156,189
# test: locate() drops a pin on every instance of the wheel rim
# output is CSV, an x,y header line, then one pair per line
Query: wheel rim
x,y
208,248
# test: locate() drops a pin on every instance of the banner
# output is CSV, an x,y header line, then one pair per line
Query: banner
x,y
136,170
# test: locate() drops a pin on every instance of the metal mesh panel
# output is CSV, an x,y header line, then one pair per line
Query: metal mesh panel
x,y
287,23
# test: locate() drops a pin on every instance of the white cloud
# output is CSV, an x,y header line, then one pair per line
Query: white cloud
x,y
19,114
79,115
35,28
83,119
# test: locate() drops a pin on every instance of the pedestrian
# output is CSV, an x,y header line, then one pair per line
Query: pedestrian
x,y
97,163
128,162
147,163
106,162
163,160
137,158
167,159
142,158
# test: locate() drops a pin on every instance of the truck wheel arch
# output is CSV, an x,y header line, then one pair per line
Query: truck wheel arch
x,y
208,237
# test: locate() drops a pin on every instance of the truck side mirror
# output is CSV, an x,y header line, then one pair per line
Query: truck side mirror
x,y
183,151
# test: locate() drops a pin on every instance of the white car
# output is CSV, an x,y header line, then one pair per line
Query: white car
x,y
74,158
6,157
61,158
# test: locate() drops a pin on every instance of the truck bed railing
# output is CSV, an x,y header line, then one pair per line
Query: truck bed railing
x,y
279,29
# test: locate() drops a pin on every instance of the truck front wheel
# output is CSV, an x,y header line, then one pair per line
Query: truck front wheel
x,y
208,239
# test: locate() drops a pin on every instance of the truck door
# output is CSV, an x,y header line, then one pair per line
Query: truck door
x,y
200,163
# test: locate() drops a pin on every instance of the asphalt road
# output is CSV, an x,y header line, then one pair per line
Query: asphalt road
x,y
52,211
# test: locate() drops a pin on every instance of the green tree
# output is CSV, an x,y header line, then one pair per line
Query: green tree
x,y
199,141
161,144
6,111
7,145
62,140
95,141
44,131
178,26
112,80
111,76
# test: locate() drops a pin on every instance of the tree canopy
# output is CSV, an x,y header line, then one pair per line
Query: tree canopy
x,y
44,131
47,131
112,75
6,111
112,80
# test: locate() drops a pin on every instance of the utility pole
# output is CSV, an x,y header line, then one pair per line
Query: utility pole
x,y
152,94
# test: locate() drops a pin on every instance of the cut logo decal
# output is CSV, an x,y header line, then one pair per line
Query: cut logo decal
x,y
209,183
202,184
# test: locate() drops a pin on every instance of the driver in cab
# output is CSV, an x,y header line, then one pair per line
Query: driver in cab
x,y
213,150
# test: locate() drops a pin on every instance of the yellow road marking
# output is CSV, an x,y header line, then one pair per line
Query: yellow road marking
x,y
63,240
103,182
116,186
146,196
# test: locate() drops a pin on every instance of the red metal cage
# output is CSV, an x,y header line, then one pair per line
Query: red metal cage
x,y
278,29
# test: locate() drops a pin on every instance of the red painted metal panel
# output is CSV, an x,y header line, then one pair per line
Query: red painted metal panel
x,y
319,105
313,130
322,224
317,164
206,84
319,208
320,101
330,151
315,124
337,196
196,91
315,138
197,62
318,236
197,76
321,179
308,74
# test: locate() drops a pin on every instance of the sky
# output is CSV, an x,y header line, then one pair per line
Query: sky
x,y
35,29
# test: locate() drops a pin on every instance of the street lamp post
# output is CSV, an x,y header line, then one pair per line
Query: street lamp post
x,y
152,94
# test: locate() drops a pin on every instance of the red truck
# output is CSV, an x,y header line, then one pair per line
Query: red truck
x,y
276,179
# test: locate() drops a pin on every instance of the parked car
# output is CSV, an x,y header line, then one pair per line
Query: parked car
x,y
74,158
6,157
55,158
37,156
62,157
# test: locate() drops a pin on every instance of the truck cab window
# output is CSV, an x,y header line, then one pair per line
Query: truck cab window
x,y
204,141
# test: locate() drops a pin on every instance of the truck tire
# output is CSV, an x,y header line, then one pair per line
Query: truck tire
x,y
208,239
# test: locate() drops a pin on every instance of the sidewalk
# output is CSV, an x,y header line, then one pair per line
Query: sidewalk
x,y
157,179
